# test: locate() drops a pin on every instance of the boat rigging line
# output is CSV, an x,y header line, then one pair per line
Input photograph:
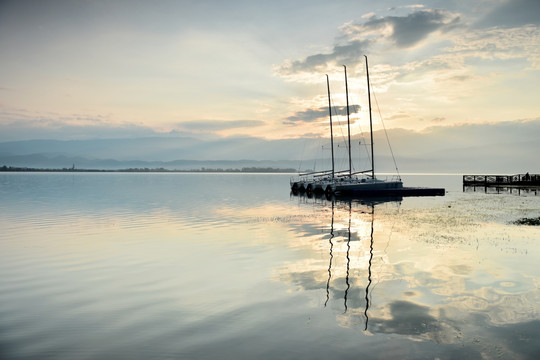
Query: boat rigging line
x,y
348,121
331,128
370,123
385,133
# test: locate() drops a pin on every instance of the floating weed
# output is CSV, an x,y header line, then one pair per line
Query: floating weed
x,y
527,221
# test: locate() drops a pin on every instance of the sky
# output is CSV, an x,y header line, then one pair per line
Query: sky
x,y
212,69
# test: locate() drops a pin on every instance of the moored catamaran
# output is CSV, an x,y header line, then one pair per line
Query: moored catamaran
x,y
347,182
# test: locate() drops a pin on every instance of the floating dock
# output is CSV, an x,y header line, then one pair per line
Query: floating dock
x,y
399,192
518,180
405,191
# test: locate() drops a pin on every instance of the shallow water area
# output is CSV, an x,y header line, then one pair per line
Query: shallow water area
x,y
205,266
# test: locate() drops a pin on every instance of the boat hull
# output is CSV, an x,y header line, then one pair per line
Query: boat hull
x,y
395,192
363,186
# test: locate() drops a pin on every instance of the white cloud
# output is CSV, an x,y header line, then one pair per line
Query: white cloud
x,y
499,43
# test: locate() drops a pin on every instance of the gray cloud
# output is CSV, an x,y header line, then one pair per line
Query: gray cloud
x,y
341,54
513,13
407,31
359,37
311,115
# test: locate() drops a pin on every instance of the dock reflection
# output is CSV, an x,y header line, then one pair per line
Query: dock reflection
x,y
509,190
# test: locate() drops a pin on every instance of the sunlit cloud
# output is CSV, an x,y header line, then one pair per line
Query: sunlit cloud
x,y
464,63
85,68
499,44
438,120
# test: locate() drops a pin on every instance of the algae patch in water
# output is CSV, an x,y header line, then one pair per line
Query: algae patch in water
x,y
527,221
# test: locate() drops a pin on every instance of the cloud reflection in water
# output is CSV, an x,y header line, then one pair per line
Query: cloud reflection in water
x,y
431,274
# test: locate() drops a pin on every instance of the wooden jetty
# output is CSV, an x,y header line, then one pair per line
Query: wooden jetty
x,y
518,180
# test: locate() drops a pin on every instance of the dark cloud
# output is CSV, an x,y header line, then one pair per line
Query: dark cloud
x,y
218,125
341,54
513,13
308,115
359,37
311,115
407,31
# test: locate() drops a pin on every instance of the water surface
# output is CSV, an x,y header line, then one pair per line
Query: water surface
x,y
206,266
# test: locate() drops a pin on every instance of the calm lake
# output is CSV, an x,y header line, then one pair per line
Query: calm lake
x,y
231,266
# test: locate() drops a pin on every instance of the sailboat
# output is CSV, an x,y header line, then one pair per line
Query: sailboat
x,y
318,181
331,182
362,183
355,184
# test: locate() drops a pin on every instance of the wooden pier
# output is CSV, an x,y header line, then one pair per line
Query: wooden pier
x,y
518,180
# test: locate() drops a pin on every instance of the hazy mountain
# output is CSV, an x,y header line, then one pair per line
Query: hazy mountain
x,y
502,148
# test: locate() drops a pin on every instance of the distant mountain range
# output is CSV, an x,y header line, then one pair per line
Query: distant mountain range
x,y
507,147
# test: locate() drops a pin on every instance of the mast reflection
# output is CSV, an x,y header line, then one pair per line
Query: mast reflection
x,y
369,266
331,256
348,257
361,206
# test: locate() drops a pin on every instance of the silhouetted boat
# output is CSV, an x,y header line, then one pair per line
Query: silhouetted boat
x,y
363,183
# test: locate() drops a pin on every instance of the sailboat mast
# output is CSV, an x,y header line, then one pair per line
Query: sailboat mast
x,y
370,123
348,121
331,131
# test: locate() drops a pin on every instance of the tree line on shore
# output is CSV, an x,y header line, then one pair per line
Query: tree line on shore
x,y
146,170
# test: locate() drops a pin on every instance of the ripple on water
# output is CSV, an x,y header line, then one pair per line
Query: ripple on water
x,y
155,266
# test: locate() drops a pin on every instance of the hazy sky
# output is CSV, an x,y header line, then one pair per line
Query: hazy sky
x,y
105,68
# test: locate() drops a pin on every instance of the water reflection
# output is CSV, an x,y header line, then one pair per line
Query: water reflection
x,y
331,256
443,275
348,259
157,266
352,224
511,190
369,265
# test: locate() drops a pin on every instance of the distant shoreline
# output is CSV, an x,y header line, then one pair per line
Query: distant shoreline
x,y
150,170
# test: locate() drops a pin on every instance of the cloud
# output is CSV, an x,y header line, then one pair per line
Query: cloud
x,y
513,14
404,31
320,63
499,43
311,115
23,124
438,120
218,125
407,318
49,129
399,115
357,38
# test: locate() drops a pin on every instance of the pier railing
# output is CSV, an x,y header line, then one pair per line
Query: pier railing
x,y
502,180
